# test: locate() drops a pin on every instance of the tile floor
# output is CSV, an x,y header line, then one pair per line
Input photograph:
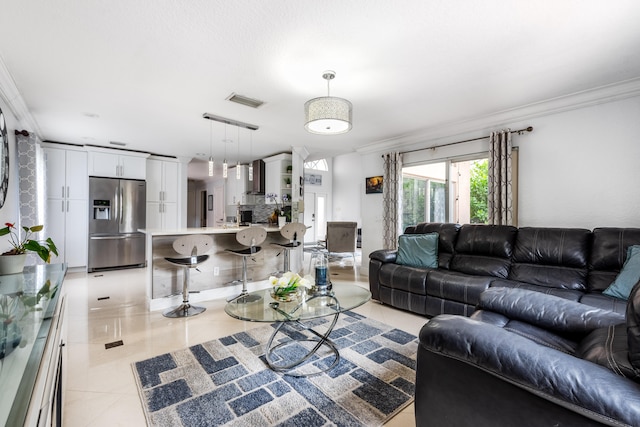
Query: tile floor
x,y
100,389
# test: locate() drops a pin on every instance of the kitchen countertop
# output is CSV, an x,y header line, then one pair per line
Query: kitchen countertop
x,y
204,230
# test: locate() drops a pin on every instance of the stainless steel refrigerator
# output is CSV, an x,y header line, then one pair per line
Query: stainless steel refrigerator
x,y
116,212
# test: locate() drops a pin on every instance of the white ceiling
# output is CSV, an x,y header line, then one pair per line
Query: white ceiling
x,y
143,72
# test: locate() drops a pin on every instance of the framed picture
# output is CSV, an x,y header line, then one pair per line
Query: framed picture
x,y
373,184
210,202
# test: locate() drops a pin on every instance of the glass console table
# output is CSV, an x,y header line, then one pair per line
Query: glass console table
x,y
30,304
287,314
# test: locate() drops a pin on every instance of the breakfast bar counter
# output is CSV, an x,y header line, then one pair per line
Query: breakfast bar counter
x,y
214,278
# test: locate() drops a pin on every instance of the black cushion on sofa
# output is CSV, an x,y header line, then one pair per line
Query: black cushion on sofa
x,y
551,257
608,254
608,347
484,250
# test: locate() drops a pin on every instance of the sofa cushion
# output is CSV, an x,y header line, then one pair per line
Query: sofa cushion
x,y
447,237
418,250
551,257
484,250
596,299
628,276
409,279
454,286
608,347
608,253
569,294
633,326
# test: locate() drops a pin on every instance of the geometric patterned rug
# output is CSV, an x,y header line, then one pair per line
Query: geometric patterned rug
x,y
227,382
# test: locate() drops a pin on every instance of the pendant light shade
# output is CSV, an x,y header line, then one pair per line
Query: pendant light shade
x,y
328,115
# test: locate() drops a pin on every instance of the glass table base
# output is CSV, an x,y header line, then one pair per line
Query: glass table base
x,y
289,367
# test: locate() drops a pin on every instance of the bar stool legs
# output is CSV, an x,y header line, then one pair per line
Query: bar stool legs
x,y
244,296
185,309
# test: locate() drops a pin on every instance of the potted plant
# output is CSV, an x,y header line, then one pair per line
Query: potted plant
x,y
287,182
12,261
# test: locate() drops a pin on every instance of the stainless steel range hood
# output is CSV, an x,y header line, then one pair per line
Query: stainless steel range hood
x,y
258,177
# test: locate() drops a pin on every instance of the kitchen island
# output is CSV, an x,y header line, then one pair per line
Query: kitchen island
x,y
214,278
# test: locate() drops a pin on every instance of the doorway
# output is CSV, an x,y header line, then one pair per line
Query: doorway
x,y
315,216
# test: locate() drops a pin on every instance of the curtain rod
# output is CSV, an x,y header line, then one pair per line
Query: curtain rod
x,y
519,132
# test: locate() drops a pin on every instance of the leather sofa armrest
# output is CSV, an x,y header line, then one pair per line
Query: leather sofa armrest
x,y
578,385
547,311
384,255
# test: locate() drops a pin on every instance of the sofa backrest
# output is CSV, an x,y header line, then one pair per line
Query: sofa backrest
x,y
484,250
447,237
552,257
608,254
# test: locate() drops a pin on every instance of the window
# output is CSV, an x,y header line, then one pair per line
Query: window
x,y
319,165
450,191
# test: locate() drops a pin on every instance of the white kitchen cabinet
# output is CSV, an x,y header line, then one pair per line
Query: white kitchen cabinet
x,y
236,189
117,165
67,208
163,183
277,176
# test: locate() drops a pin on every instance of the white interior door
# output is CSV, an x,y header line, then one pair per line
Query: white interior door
x,y
218,206
315,216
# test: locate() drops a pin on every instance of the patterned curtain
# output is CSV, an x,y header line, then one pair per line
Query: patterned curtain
x,y
500,197
31,173
392,199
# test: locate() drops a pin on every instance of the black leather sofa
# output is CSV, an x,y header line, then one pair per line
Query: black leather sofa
x,y
572,263
525,358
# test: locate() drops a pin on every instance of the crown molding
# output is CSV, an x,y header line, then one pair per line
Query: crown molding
x,y
595,96
11,95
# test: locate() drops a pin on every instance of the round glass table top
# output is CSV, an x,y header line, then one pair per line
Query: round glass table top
x,y
306,306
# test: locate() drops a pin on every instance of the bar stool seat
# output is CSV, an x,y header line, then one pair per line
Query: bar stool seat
x,y
292,232
188,245
250,237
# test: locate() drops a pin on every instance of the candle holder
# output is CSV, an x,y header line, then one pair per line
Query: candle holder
x,y
322,283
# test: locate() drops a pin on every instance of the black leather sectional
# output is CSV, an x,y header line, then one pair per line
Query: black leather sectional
x,y
572,263
542,345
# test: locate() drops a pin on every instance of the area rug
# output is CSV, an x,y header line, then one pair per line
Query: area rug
x,y
227,382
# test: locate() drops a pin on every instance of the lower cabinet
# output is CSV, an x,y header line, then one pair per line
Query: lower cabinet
x,y
67,227
162,215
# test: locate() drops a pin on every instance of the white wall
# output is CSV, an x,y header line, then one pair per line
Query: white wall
x,y
347,199
578,168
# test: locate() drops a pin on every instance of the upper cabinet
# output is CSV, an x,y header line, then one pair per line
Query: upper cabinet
x,y
163,188
162,181
117,164
278,177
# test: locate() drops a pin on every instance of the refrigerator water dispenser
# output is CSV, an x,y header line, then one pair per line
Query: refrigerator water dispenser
x,y
101,209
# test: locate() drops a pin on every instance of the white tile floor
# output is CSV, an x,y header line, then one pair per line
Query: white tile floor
x,y
100,388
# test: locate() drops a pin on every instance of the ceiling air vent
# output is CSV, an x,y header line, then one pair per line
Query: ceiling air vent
x,y
244,100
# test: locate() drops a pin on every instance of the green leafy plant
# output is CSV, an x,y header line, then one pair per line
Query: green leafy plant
x,y
21,245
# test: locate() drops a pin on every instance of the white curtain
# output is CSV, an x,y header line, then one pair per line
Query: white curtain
x,y
392,199
500,191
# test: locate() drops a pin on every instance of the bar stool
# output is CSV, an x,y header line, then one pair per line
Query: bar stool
x,y
292,232
191,245
249,237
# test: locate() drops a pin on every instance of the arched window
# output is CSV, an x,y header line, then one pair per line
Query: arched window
x,y
319,165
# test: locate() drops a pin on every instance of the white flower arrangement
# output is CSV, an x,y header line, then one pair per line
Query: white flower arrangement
x,y
288,284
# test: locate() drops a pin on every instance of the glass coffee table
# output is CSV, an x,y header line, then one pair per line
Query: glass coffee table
x,y
293,315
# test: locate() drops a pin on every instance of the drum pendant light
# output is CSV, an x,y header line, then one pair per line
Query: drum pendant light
x,y
328,115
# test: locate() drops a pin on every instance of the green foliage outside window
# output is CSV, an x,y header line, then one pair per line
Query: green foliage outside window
x,y
479,191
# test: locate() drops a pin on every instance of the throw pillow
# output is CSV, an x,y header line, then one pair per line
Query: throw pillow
x,y
418,250
628,276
